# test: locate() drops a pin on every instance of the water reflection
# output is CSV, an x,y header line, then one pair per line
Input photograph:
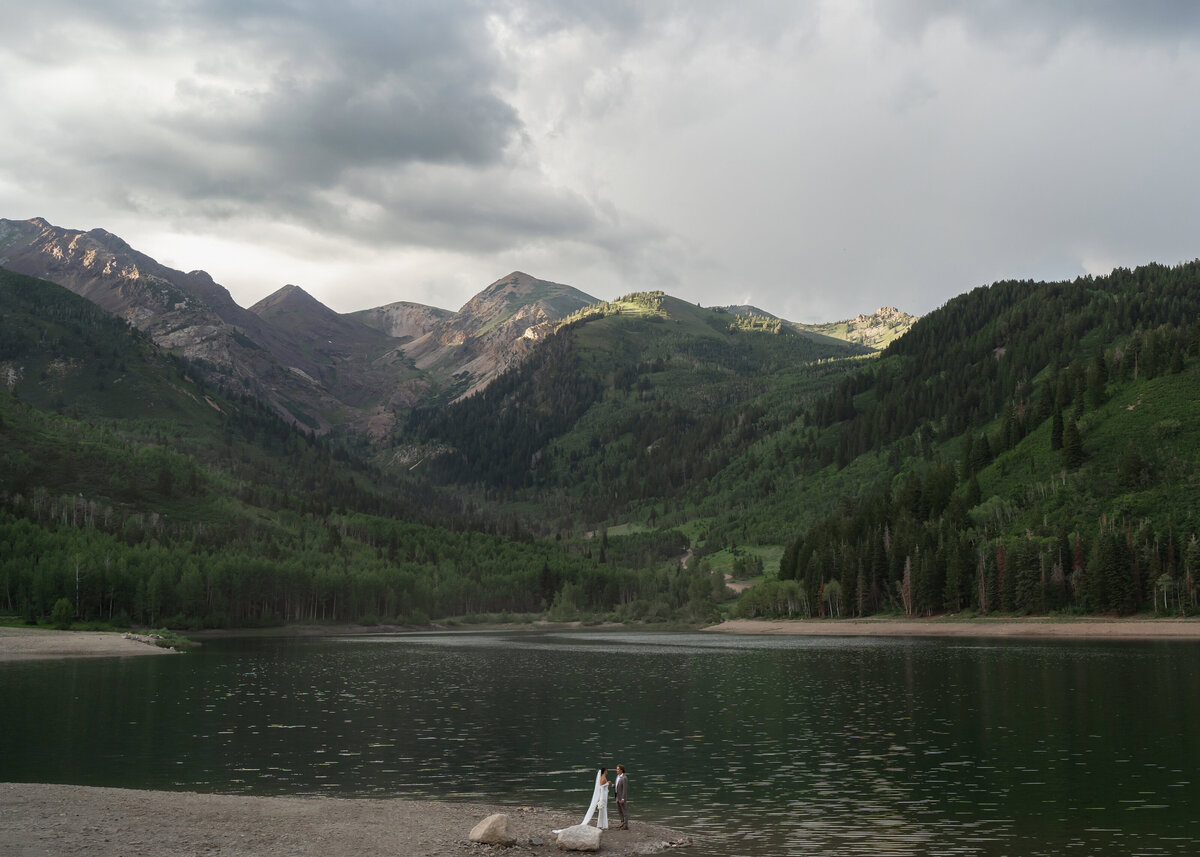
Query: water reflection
x,y
768,745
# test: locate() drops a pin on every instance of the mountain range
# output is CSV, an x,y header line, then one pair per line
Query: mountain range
x,y
317,368
1027,447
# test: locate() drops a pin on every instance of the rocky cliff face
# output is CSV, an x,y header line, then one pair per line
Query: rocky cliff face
x,y
493,331
363,367
879,328
403,319
186,313
872,330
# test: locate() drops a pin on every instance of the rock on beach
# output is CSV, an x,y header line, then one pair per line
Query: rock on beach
x,y
493,830
579,837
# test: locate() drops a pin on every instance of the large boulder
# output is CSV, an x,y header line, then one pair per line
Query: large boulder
x,y
493,830
581,837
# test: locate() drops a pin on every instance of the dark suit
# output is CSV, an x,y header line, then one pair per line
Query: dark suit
x,y
621,789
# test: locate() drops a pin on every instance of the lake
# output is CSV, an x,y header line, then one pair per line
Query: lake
x,y
762,745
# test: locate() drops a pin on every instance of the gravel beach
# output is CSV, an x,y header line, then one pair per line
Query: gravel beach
x,y
23,644
42,819
1130,629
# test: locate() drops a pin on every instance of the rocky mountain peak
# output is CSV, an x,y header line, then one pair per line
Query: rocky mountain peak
x,y
882,315
291,300
521,293
511,288
106,239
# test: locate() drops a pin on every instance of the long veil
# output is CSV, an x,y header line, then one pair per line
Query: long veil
x,y
597,793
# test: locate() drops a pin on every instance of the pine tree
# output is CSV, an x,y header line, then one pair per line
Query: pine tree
x,y
952,595
1130,467
1177,361
974,492
1191,564
1072,449
982,581
1097,381
1006,579
1118,571
1027,595
1056,430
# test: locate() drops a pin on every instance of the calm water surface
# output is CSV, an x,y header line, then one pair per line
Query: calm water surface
x,y
763,745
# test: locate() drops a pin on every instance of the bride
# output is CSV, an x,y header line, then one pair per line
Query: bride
x,y
599,802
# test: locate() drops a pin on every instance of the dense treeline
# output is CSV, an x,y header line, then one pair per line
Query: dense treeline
x,y
202,507
1072,487
641,303
497,434
129,530
341,569
925,570
962,365
754,322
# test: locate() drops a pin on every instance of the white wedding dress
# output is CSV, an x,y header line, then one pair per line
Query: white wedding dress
x,y
598,806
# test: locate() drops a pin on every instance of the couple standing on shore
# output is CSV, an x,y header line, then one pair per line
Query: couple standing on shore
x,y
599,803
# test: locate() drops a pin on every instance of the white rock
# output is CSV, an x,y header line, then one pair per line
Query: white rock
x,y
581,837
493,830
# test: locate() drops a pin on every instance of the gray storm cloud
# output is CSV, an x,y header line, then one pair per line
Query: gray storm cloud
x,y
816,159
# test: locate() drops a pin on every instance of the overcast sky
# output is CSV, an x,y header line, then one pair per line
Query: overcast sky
x,y
814,159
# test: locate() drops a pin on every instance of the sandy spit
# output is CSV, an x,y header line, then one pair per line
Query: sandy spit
x,y
23,644
1132,629
37,818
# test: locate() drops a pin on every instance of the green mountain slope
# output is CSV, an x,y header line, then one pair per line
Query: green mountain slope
x,y
1028,447
56,348
1036,448
148,497
631,403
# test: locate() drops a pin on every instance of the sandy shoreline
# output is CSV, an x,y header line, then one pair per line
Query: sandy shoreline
x,y
1131,629
37,818
25,644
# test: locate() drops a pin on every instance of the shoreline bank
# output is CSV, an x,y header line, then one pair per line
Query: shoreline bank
x,y
39,818
352,630
1034,627
29,644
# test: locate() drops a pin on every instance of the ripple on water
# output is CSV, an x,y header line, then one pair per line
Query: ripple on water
x,y
765,745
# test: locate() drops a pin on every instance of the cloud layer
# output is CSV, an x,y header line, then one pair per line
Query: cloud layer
x,y
815,159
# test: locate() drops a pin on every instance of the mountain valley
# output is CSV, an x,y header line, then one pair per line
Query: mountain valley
x,y
1028,447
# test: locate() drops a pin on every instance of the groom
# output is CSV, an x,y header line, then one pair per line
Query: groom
x,y
621,791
